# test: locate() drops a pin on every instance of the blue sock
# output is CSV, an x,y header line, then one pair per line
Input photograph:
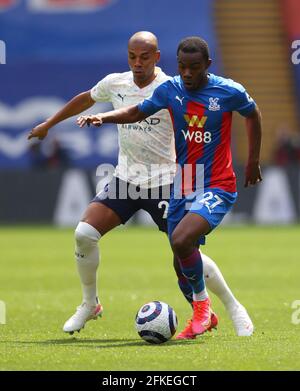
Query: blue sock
x,y
186,289
192,269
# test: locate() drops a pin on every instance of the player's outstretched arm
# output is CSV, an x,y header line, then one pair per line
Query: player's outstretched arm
x,y
254,130
125,115
75,106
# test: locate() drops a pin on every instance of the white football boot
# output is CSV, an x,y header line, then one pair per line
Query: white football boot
x,y
83,314
241,321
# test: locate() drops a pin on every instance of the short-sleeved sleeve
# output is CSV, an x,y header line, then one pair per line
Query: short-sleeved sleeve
x,y
101,91
242,102
156,102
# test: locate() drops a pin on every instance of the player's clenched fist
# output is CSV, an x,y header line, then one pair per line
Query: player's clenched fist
x,y
40,131
95,120
252,174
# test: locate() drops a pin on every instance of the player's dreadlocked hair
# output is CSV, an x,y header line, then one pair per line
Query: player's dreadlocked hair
x,y
193,45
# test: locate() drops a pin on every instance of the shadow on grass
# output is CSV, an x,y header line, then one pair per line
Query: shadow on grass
x,y
104,343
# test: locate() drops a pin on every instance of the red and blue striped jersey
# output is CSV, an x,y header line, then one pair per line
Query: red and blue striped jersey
x,y
202,125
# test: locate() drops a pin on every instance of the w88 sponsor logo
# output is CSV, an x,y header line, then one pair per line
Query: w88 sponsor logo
x,y
199,136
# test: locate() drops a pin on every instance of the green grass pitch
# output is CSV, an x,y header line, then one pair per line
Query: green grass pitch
x,y
40,287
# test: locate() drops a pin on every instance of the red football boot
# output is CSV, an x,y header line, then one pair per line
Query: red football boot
x,y
201,317
188,333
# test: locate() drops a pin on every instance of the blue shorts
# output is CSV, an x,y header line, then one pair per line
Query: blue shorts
x,y
117,195
212,204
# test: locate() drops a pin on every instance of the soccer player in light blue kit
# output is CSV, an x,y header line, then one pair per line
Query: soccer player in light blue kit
x,y
201,106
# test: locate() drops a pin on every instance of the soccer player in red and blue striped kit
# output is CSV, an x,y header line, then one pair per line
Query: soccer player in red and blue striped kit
x,y
201,106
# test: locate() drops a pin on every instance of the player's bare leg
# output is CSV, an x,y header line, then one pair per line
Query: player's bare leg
x,y
184,245
97,221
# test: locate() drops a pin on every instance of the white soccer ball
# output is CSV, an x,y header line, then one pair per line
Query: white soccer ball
x,y
156,322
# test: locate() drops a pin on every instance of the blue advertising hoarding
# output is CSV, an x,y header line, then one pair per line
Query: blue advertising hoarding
x,y
56,49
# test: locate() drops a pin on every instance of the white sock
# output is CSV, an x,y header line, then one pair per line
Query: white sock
x,y
87,257
215,282
201,296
